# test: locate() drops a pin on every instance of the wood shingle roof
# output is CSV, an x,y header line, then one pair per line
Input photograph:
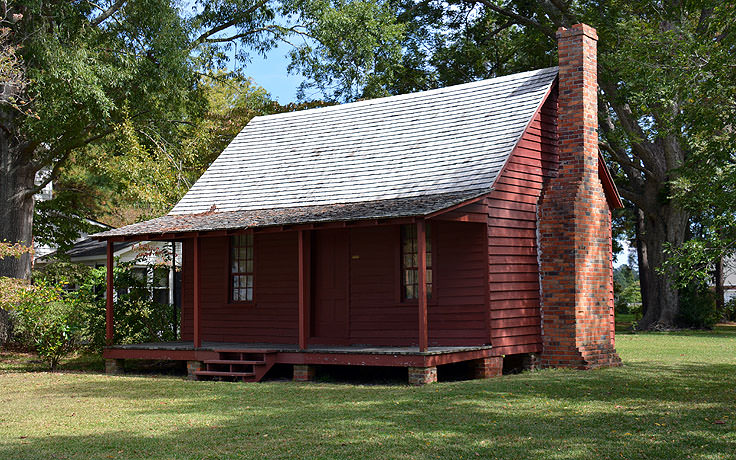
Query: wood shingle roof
x,y
397,156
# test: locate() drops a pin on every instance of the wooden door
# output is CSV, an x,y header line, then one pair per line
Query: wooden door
x,y
330,286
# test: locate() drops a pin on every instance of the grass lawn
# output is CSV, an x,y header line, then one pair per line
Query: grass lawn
x,y
674,398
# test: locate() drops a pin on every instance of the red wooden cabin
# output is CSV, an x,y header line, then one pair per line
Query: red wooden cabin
x,y
469,223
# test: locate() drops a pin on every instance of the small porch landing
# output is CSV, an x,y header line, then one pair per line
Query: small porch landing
x,y
251,361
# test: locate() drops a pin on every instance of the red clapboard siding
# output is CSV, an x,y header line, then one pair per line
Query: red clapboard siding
x,y
272,318
456,313
513,270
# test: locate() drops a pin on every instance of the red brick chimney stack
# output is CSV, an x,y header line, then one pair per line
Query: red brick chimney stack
x,y
575,221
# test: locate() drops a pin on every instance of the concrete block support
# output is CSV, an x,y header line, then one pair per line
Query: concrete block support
x,y
422,375
304,373
192,367
114,366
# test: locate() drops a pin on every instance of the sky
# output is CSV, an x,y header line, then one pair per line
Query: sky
x,y
270,73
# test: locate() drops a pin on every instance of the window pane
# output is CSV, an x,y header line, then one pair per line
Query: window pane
x,y
139,274
411,291
241,267
407,260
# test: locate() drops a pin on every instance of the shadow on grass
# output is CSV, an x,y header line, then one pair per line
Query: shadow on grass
x,y
639,411
23,361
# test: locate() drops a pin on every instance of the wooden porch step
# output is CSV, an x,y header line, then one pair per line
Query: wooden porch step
x,y
224,374
233,361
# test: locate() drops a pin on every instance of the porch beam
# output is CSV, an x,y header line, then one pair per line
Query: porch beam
x,y
195,300
109,318
422,281
304,283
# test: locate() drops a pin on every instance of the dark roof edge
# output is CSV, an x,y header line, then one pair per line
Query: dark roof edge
x,y
609,186
338,212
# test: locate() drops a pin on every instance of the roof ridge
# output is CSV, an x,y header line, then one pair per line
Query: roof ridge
x,y
417,94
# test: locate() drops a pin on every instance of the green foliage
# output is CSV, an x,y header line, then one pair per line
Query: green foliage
x,y
355,49
729,310
14,249
63,273
55,321
697,307
48,322
137,318
626,291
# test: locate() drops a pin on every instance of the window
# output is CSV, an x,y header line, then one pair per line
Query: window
x,y
160,286
410,263
241,268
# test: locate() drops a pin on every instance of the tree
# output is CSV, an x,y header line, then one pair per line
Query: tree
x,y
86,74
666,81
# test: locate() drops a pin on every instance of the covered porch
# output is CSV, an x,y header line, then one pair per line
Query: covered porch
x,y
330,294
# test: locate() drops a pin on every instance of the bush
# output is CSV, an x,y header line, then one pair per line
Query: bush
x,y
47,321
697,307
729,310
137,318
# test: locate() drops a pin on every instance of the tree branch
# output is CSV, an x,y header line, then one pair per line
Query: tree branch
x,y
233,22
60,162
274,29
106,13
519,19
627,119
566,13
625,161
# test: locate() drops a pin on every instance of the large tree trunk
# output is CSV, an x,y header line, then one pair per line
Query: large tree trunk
x,y
720,291
664,224
16,213
642,259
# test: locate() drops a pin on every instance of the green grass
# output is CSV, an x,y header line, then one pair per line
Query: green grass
x,y
675,397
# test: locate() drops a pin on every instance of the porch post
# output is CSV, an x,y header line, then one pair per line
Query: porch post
x,y
195,301
304,282
422,281
109,324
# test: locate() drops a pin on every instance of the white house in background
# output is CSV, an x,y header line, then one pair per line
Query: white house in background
x,y
150,262
729,279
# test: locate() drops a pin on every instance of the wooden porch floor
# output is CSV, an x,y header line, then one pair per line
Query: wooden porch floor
x,y
315,354
351,349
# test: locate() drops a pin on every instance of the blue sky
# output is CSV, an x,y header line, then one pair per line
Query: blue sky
x,y
270,73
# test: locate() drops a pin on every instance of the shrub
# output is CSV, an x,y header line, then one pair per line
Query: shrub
x,y
47,321
137,318
697,307
729,310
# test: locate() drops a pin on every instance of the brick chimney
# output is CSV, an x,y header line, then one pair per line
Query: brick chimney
x,y
575,222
